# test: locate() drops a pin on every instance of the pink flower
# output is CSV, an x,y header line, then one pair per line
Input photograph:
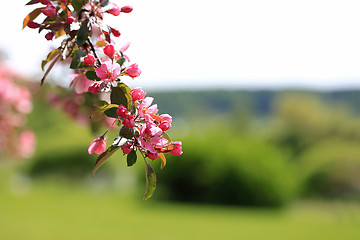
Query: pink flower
x,y
150,137
94,88
152,156
27,143
114,10
177,150
108,72
33,25
89,60
115,32
137,94
97,146
126,148
165,123
145,111
128,121
81,83
122,111
70,19
133,71
49,36
109,50
49,10
126,9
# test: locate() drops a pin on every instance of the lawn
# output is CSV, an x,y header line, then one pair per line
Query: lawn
x,y
57,211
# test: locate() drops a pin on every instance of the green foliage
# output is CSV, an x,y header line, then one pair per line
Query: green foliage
x,y
228,169
77,60
131,158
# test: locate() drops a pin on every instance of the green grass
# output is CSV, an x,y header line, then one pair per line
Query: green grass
x,y
56,211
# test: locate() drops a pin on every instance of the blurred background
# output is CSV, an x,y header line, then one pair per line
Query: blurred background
x,y
265,96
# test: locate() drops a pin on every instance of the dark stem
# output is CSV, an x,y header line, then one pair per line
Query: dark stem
x,y
93,49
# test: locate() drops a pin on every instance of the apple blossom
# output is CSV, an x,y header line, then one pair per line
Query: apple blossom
x,y
89,60
115,32
152,155
97,146
33,25
126,148
49,36
133,71
177,150
137,94
94,88
128,121
126,9
109,50
114,10
122,111
108,72
70,19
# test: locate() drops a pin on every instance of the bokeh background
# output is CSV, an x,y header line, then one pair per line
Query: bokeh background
x,y
265,96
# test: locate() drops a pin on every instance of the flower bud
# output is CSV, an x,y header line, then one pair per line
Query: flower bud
x,y
126,9
70,19
109,50
115,32
122,111
49,36
126,148
177,150
97,146
152,156
94,88
114,10
128,121
137,94
89,60
133,70
33,25
49,10
165,125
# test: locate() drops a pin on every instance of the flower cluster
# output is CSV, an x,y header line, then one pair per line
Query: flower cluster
x,y
98,84
16,140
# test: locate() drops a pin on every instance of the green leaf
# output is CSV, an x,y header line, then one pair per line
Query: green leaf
x,y
119,96
150,181
126,132
77,5
103,157
131,158
49,57
91,75
83,33
166,136
76,61
31,16
121,61
111,112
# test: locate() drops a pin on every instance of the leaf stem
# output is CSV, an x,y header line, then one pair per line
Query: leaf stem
x,y
93,49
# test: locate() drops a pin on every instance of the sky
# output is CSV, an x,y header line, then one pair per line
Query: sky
x,y
225,44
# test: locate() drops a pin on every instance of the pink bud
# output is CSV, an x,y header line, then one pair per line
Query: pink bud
x,y
137,94
49,36
122,111
64,1
49,10
152,156
115,32
89,60
97,146
133,70
126,9
177,150
128,121
45,2
109,50
33,25
70,19
126,148
114,10
165,125
94,88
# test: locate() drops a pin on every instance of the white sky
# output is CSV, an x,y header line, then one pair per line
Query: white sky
x,y
228,43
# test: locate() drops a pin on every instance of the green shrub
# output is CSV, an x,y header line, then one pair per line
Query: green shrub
x,y
227,169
